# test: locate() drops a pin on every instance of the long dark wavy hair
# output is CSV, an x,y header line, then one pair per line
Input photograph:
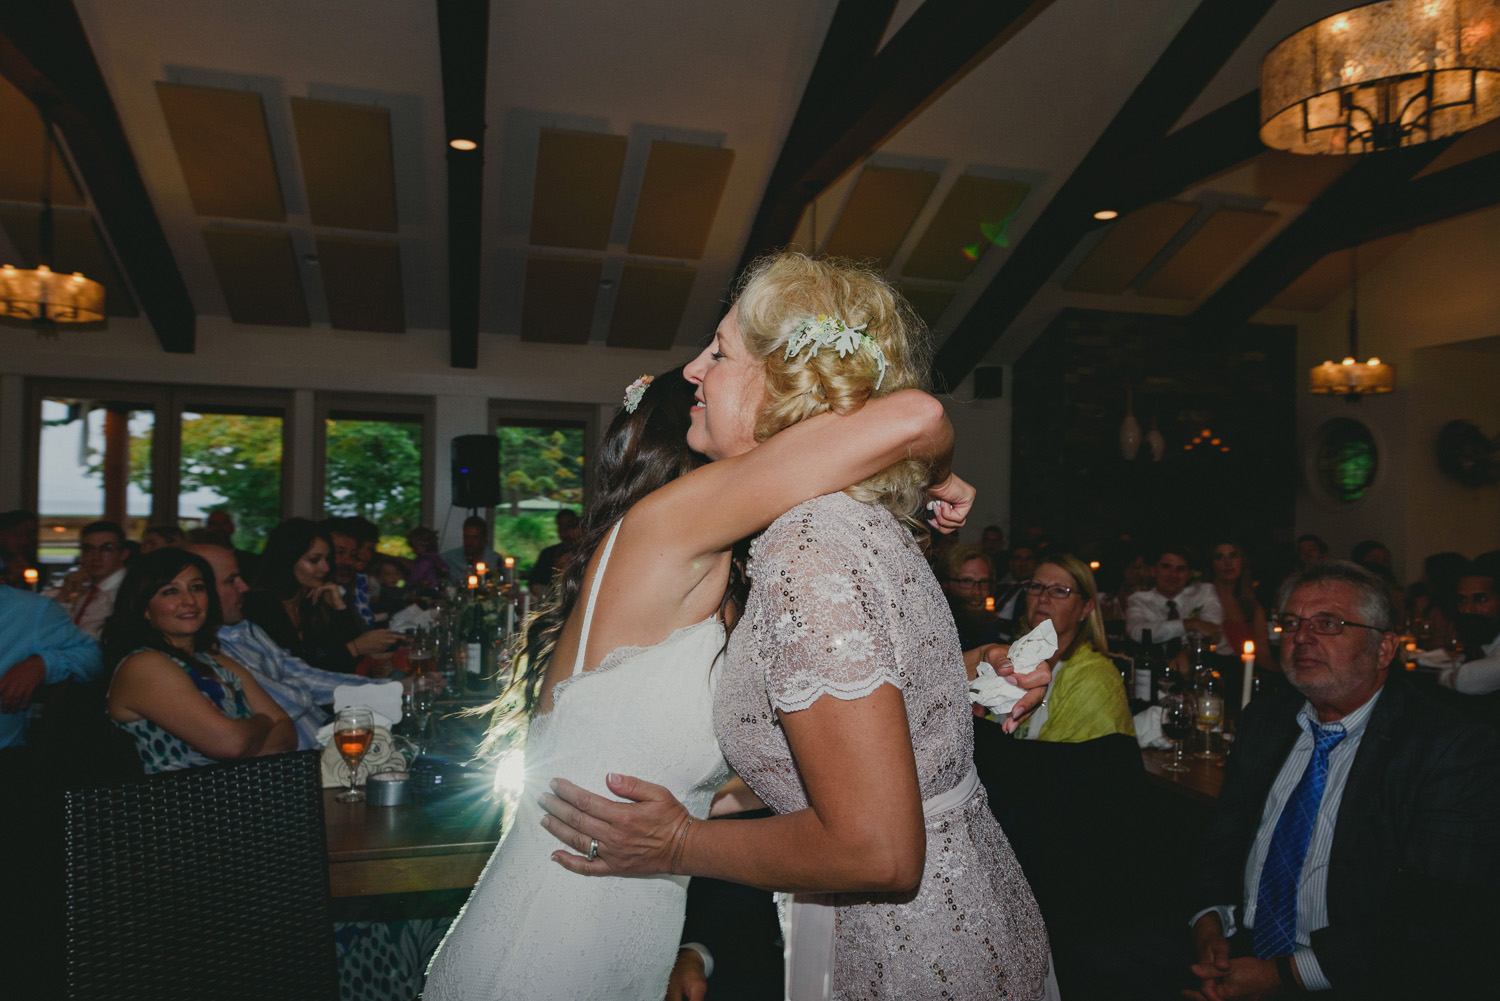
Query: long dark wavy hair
x,y
285,545
127,630
641,451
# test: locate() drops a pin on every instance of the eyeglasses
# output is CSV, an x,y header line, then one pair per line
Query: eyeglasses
x,y
969,583
108,548
1323,625
1054,591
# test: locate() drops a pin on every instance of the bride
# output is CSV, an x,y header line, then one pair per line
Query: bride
x,y
619,672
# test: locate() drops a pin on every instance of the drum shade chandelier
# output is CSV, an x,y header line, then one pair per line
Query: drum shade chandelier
x,y
1352,378
41,295
1383,75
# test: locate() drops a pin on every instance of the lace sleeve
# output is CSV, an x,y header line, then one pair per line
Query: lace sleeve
x,y
824,624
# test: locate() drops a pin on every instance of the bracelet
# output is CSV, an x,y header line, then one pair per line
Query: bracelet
x,y
677,855
1284,971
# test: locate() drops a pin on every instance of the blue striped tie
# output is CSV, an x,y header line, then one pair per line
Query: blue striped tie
x,y
1276,899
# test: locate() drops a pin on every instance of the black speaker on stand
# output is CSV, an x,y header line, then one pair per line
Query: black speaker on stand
x,y
475,468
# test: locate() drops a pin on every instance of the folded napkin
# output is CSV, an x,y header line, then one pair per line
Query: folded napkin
x,y
383,699
1148,729
411,617
1000,695
383,756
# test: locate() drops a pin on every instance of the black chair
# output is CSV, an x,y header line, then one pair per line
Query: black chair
x,y
208,882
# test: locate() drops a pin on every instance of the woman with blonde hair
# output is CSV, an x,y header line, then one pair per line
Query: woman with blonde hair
x,y
843,700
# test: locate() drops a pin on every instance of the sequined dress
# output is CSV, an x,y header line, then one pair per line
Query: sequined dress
x,y
841,602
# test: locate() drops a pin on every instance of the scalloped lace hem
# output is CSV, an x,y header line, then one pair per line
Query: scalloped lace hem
x,y
618,656
791,702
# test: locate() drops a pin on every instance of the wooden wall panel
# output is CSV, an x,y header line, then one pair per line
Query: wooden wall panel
x,y
973,215
577,182
1208,253
1128,246
345,151
1321,283
679,198
558,304
258,273
649,305
879,213
362,282
22,151
224,148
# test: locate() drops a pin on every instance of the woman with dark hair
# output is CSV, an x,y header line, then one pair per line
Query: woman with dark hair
x,y
619,671
300,608
1244,616
183,702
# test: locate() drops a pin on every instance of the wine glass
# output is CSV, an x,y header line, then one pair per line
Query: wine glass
x,y
1177,722
352,731
1210,720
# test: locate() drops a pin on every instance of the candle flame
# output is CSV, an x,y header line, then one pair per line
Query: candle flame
x,y
989,604
31,576
480,568
473,580
510,561
1249,648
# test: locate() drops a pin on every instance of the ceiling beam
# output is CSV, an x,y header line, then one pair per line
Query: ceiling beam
x,y
856,97
1212,33
464,42
1349,212
45,54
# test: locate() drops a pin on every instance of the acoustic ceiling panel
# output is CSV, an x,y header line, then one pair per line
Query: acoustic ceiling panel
x,y
258,275
880,212
1201,261
649,306
76,246
558,304
1128,246
929,301
1321,283
362,281
577,181
225,151
346,164
1294,179
23,150
679,199
975,214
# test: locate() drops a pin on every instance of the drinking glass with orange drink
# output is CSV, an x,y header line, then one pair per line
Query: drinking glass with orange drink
x,y
352,732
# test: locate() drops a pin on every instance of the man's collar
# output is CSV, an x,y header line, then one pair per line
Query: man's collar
x,y
111,582
1352,723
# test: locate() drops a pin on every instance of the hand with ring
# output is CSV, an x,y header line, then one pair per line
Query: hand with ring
x,y
605,837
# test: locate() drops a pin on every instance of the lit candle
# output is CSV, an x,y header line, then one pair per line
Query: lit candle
x,y
480,568
31,577
510,569
473,581
1248,659
989,604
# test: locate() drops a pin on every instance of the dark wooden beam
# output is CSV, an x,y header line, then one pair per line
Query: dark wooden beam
x,y
45,53
1354,208
1466,187
1211,35
855,98
1221,139
463,38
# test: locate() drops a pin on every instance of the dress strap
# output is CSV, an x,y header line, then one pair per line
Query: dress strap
x,y
588,611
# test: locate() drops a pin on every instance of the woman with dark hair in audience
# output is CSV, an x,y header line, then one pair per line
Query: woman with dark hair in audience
x,y
303,610
182,701
1244,616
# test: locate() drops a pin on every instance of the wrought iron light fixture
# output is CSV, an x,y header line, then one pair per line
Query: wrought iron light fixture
x,y
1351,378
1388,74
41,295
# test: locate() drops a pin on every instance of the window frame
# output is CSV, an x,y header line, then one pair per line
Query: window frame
x,y
374,407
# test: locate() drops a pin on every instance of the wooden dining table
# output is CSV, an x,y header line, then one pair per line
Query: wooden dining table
x,y
376,850
1201,783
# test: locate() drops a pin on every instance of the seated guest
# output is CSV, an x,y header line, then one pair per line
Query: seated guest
x,y
298,687
1432,598
350,537
183,701
1085,698
301,609
1310,549
1008,597
554,559
428,571
1244,618
1353,849
88,596
966,577
221,523
1174,606
1376,557
160,536
1123,573
17,546
992,541
1478,629
38,645
474,550
393,594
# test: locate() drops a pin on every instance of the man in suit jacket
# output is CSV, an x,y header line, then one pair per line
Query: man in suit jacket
x,y
1391,890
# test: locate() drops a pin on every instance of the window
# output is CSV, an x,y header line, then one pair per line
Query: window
x,y
230,457
376,460
544,452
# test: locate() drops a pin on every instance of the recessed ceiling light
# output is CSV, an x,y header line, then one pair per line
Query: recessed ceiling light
x,y
1104,215
464,144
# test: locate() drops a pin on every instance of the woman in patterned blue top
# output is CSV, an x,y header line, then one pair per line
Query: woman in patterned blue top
x,y
182,701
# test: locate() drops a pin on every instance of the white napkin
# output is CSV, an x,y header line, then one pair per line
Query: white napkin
x,y
1000,695
411,617
1148,729
384,699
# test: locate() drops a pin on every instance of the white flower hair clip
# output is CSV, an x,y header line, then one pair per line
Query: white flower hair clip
x,y
634,392
824,331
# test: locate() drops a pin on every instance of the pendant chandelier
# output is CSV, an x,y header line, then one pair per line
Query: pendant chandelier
x,y
1384,75
41,295
1352,378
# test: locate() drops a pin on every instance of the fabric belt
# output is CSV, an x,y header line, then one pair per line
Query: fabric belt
x,y
810,916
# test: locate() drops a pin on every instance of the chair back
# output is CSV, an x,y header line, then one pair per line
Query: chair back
x,y
207,882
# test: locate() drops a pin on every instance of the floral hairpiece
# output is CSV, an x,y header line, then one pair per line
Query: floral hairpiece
x,y
826,331
634,392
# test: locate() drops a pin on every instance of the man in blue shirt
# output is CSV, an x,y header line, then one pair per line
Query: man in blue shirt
x,y
298,687
39,644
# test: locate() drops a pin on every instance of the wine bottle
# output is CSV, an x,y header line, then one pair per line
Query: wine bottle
x,y
476,649
1145,671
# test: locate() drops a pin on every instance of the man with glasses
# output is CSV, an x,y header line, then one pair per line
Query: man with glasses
x,y
1354,847
89,596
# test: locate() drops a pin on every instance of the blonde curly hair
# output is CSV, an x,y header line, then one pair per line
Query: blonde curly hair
x,y
775,295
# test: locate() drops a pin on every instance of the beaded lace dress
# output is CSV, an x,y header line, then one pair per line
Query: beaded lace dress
x,y
533,930
842,602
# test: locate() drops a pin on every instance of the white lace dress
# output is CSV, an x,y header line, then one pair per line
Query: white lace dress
x,y
533,930
842,602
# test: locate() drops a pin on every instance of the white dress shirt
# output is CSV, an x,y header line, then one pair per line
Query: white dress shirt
x,y
1148,610
1478,677
88,613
